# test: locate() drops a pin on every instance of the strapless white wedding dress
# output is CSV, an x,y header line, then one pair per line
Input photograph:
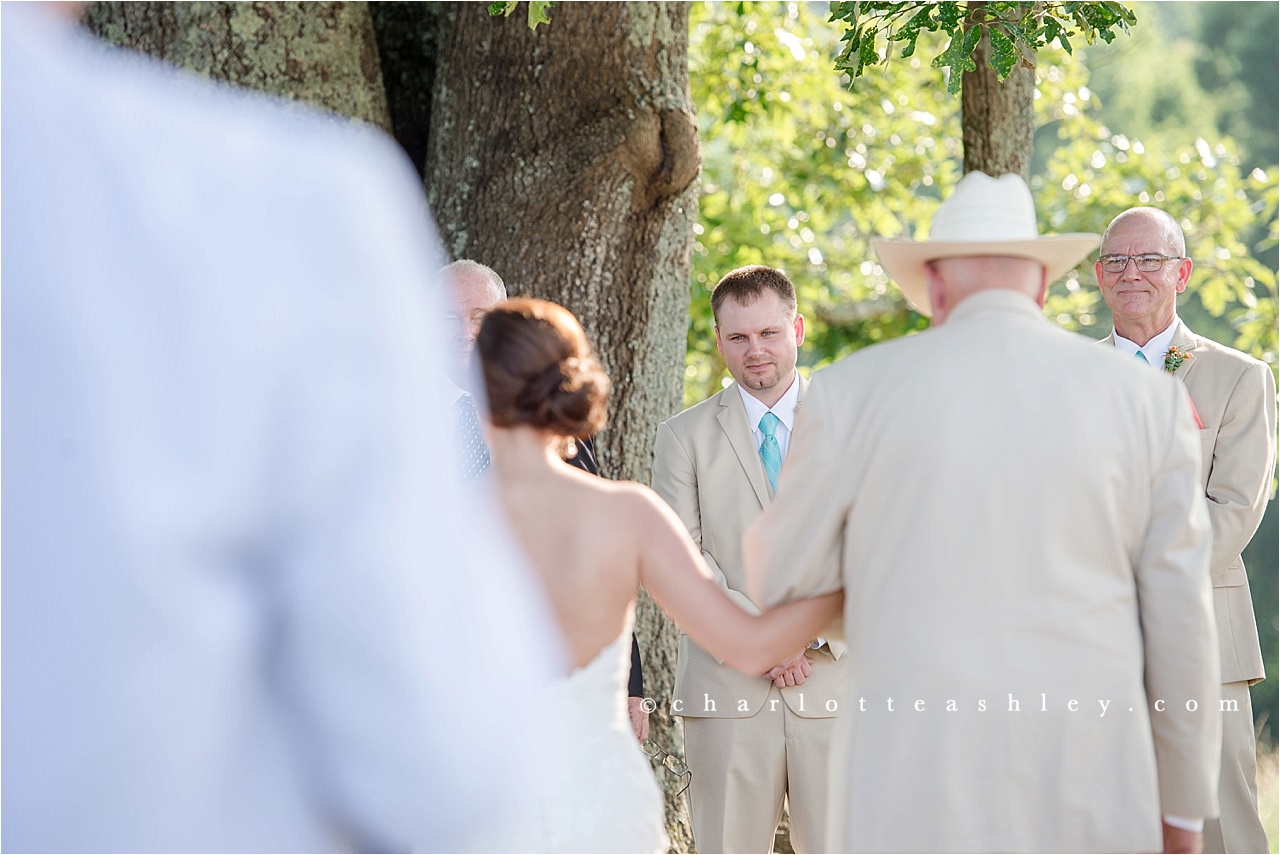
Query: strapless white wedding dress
x,y
599,793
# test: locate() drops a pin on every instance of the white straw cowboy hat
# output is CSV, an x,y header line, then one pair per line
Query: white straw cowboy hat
x,y
984,216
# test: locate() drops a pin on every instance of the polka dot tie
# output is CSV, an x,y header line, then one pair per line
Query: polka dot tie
x,y
472,453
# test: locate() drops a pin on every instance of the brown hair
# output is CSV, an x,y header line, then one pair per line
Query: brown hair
x,y
539,370
746,284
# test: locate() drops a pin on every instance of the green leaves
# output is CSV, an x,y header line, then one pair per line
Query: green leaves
x,y
801,172
859,51
1016,30
950,15
537,11
958,57
911,30
1003,52
1099,19
867,51
1054,31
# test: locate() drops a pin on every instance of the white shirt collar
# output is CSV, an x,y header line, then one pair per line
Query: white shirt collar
x,y
1153,350
452,390
785,409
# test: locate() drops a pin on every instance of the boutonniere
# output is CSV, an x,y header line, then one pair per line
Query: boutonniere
x,y
1173,358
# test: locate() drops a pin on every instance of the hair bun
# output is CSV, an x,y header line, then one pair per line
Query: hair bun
x,y
539,370
562,397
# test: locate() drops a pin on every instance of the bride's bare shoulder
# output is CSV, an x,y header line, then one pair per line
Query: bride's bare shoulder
x,y
629,497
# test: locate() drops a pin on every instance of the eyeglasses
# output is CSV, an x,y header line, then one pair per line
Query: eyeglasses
x,y
673,764
1148,263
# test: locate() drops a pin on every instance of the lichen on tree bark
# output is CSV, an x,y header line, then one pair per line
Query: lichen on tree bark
x,y
323,54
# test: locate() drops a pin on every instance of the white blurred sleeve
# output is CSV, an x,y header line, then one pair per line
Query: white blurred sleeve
x,y
411,627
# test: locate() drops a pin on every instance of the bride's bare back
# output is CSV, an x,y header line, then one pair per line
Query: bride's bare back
x,y
578,531
594,542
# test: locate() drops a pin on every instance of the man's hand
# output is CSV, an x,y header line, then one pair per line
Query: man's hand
x,y
1180,840
639,718
792,672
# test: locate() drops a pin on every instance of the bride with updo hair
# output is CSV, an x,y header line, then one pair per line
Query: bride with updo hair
x,y
539,371
593,543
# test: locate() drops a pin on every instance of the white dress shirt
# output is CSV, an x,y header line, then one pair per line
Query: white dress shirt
x,y
784,409
241,578
1153,350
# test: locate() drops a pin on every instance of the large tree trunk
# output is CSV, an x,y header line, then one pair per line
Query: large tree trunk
x,y
998,118
566,159
320,53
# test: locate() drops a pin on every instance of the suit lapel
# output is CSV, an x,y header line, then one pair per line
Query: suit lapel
x,y
1187,342
733,421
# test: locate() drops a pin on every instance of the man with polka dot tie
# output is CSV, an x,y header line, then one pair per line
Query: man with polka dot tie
x,y
476,290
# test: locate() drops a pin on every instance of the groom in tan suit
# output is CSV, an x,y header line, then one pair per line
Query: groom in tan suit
x,y
749,741
1015,516
1142,269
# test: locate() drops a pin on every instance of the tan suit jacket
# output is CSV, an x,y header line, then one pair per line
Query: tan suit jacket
x,y
1016,518
707,467
1235,398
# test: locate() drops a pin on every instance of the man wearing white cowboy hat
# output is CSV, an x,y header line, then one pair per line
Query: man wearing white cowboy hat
x,y
1015,517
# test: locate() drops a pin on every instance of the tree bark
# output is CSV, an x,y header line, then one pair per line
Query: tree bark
x,y
320,53
997,117
407,34
566,159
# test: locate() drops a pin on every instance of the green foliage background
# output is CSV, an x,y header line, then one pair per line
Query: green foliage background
x,y
801,171
1016,31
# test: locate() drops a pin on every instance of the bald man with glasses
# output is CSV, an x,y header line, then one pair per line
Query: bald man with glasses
x,y
1141,270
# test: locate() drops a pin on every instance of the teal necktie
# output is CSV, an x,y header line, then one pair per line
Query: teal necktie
x,y
770,454
1143,357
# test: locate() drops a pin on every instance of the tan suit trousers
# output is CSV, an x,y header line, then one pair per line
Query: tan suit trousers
x,y
1238,829
743,767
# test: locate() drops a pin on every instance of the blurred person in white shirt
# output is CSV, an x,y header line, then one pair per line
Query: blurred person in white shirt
x,y
247,602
